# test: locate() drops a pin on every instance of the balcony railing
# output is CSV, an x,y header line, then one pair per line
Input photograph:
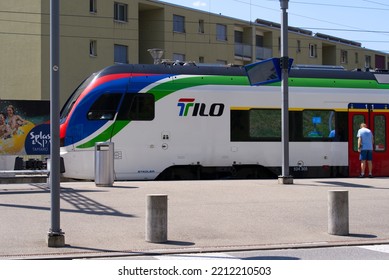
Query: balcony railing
x,y
245,52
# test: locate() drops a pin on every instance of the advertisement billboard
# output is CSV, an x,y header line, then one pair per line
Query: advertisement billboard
x,y
24,127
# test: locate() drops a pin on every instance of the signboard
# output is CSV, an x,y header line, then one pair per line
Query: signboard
x,y
24,127
265,72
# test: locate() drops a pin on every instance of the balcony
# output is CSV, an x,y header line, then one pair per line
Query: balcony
x,y
244,52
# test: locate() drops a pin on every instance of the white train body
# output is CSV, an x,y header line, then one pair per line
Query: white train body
x,y
193,129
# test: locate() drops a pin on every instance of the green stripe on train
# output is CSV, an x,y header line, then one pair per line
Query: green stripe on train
x,y
106,135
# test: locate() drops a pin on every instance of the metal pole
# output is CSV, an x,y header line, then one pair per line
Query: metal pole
x,y
55,236
253,44
285,178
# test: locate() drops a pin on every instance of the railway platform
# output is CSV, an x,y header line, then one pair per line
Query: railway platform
x,y
203,216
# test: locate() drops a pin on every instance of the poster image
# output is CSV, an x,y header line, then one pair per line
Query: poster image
x,y
24,127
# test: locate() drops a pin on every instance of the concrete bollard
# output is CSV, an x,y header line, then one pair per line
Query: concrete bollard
x,y
156,218
338,214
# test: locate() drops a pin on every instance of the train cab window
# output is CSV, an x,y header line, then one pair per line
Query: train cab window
x,y
75,95
137,107
105,107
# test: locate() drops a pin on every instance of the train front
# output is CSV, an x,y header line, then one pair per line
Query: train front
x,y
87,118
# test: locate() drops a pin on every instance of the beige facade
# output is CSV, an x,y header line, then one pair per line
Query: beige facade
x,y
20,49
99,33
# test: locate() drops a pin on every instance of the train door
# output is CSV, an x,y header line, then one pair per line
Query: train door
x,y
376,116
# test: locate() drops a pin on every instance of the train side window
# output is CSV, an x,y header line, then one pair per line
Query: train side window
x,y
333,126
137,107
265,123
239,124
255,125
379,133
105,107
295,126
339,133
318,124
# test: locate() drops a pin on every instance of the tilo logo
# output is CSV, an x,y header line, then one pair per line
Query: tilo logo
x,y
188,106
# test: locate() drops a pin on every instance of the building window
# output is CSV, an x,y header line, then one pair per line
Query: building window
x,y
120,12
92,6
238,36
93,48
298,50
259,40
343,56
356,58
367,61
221,32
178,24
178,57
312,50
201,26
120,54
201,59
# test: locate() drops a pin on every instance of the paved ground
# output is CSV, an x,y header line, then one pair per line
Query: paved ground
x,y
203,216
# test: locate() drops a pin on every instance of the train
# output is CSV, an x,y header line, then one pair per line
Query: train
x,y
188,122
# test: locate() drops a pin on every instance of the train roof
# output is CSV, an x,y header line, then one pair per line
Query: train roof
x,y
298,72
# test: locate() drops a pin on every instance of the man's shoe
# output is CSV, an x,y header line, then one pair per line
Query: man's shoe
x,y
361,176
370,176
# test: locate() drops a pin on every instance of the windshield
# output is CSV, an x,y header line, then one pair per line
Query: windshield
x,y
73,98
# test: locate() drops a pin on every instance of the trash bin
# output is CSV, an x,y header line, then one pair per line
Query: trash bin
x,y
104,169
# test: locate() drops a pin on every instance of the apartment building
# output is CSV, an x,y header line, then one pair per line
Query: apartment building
x,y
98,33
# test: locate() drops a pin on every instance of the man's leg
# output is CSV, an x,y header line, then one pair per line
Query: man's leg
x,y
363,165
370,166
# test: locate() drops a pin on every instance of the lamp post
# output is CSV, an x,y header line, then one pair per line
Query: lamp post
x,y
55,237
285,178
